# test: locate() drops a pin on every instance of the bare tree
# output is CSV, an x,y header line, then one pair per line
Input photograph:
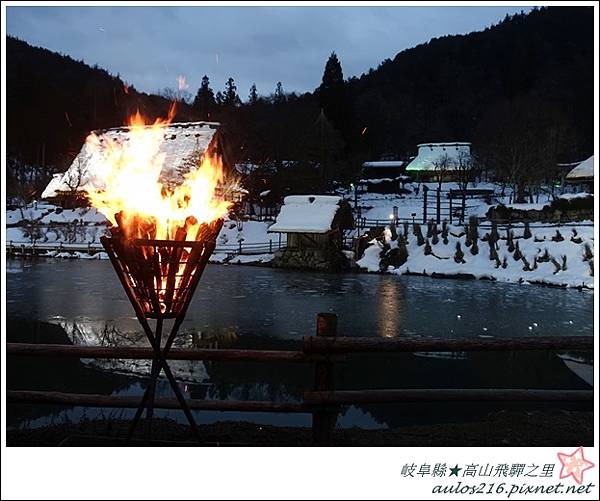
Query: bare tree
x,y
73,178
520,141
441,166
179,95
465,169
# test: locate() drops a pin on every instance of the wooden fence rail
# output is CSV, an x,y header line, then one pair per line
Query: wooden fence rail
x,y
344,345
348,397
109,401
143,353
240,248
323,351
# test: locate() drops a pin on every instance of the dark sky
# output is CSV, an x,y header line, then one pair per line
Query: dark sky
x,y
151,46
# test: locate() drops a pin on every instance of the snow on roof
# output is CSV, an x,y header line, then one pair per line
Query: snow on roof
x,y
384,163
584,170
384,180
306,214
430,153
54,185
180,142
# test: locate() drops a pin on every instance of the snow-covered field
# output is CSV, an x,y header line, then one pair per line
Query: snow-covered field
x,y
577,272
375,206
76,228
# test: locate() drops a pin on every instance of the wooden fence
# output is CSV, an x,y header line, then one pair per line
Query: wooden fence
x,y
324,351
36,248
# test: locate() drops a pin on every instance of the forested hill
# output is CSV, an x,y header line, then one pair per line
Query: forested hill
x,y
53,101
531,74
443,89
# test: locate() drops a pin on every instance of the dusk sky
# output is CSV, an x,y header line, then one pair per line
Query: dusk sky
x,y
151,46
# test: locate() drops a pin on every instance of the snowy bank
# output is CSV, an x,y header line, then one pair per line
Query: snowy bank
x,y
559,256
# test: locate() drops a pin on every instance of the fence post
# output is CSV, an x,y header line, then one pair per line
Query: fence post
x,y
438,206
425,189
450,206
324,421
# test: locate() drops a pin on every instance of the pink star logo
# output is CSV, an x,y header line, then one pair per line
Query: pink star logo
x,y
574,464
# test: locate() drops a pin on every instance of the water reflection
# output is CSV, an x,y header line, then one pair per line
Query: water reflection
x,y
259,308
391,308
94,333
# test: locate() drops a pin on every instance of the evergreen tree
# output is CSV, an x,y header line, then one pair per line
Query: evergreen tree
x,y
419,234
204,102
279,96
323,146
459,254
517,255
332,95
428,250
253,96
230,96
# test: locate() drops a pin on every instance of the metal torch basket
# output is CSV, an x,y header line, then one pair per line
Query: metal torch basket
x,y
160,277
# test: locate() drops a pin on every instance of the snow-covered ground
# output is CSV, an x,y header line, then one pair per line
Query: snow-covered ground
x,y
79,227
376,206
85,226
441,261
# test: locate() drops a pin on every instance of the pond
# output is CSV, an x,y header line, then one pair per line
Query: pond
x,y
82,302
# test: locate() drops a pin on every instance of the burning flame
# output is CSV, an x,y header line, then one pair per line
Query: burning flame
x,y
133,196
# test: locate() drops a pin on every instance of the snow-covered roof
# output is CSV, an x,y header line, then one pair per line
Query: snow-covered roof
x,y
55,184
585,170
306,214
181,141
384,180
384,164
430,153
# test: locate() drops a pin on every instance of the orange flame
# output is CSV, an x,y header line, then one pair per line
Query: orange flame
x,y
130,170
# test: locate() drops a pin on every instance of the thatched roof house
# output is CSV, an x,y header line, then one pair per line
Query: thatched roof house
x,y
181,144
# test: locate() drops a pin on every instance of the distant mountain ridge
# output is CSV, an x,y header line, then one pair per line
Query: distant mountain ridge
x,y
439,90
53,101
436,91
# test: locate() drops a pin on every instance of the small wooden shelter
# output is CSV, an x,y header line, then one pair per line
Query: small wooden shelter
x,y
314,226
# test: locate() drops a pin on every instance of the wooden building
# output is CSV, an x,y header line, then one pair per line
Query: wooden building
x,y
183,145
385,176
314,226
435,159
581,177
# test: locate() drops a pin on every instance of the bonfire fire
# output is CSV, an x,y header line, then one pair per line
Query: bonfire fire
x,y
134,199
161,236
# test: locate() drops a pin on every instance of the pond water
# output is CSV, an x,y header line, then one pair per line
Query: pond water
x,y
82,302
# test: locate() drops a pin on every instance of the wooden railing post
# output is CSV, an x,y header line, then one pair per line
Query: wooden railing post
x,y
324,421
